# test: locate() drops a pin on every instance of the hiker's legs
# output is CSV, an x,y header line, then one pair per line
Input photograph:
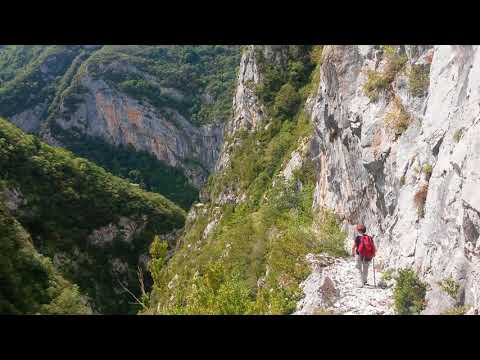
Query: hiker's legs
x,y
359,266
365,271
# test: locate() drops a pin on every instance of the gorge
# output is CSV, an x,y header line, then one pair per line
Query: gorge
x,y
274,152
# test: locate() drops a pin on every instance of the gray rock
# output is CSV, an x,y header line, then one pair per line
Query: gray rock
x,y
12,198
361,166
333,287
105,113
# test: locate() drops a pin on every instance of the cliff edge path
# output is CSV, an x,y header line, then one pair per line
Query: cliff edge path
x,y
332,288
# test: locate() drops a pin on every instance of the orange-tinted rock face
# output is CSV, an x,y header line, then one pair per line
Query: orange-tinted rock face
x,y
160,150
171,138
127,130
135,117
109,113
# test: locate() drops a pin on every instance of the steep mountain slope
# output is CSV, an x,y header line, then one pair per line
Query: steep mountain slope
x,y
29,283
243,249
169,102
94,227
319,138
386,137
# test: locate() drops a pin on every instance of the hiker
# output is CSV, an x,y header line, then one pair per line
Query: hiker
x,y
364,250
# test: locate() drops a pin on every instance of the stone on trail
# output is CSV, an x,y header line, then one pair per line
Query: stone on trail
x,y
334,289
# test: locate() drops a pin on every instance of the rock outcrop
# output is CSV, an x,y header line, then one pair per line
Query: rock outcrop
x,y
117,118
248,113
414,188
75,89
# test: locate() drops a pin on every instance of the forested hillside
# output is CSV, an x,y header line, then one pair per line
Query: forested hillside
x,y
92,100
91,224
243,251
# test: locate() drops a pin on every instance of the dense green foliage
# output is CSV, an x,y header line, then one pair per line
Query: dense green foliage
x,y
26,82
282,88
253,261
197,72
197,81
13,58
69,197
286,101
29,284
140,168
409,293
30,74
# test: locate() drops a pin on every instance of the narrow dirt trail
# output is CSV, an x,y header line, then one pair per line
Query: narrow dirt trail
x,y
333,287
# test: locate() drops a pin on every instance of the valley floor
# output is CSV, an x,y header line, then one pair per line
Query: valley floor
x,y
332,288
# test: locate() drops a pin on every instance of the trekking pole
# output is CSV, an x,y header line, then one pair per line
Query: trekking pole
x,y
373,264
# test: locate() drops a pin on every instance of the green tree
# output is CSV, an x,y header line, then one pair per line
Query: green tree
x,y
409,293
158,254
287,101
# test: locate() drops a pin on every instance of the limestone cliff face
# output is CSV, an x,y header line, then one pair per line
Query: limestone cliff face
x,y
75,95
248,113
369,174
104,112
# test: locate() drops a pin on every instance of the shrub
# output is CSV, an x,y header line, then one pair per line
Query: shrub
x,y
450,286
148,91
380,81
375,83
68,302
395,62
270,84
420,198
398,119
158,254
332,237
456,310
418,79
387,275
286,101
457,135
402,180
298,74
427,170
322,311
409,293
219,293
312,86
